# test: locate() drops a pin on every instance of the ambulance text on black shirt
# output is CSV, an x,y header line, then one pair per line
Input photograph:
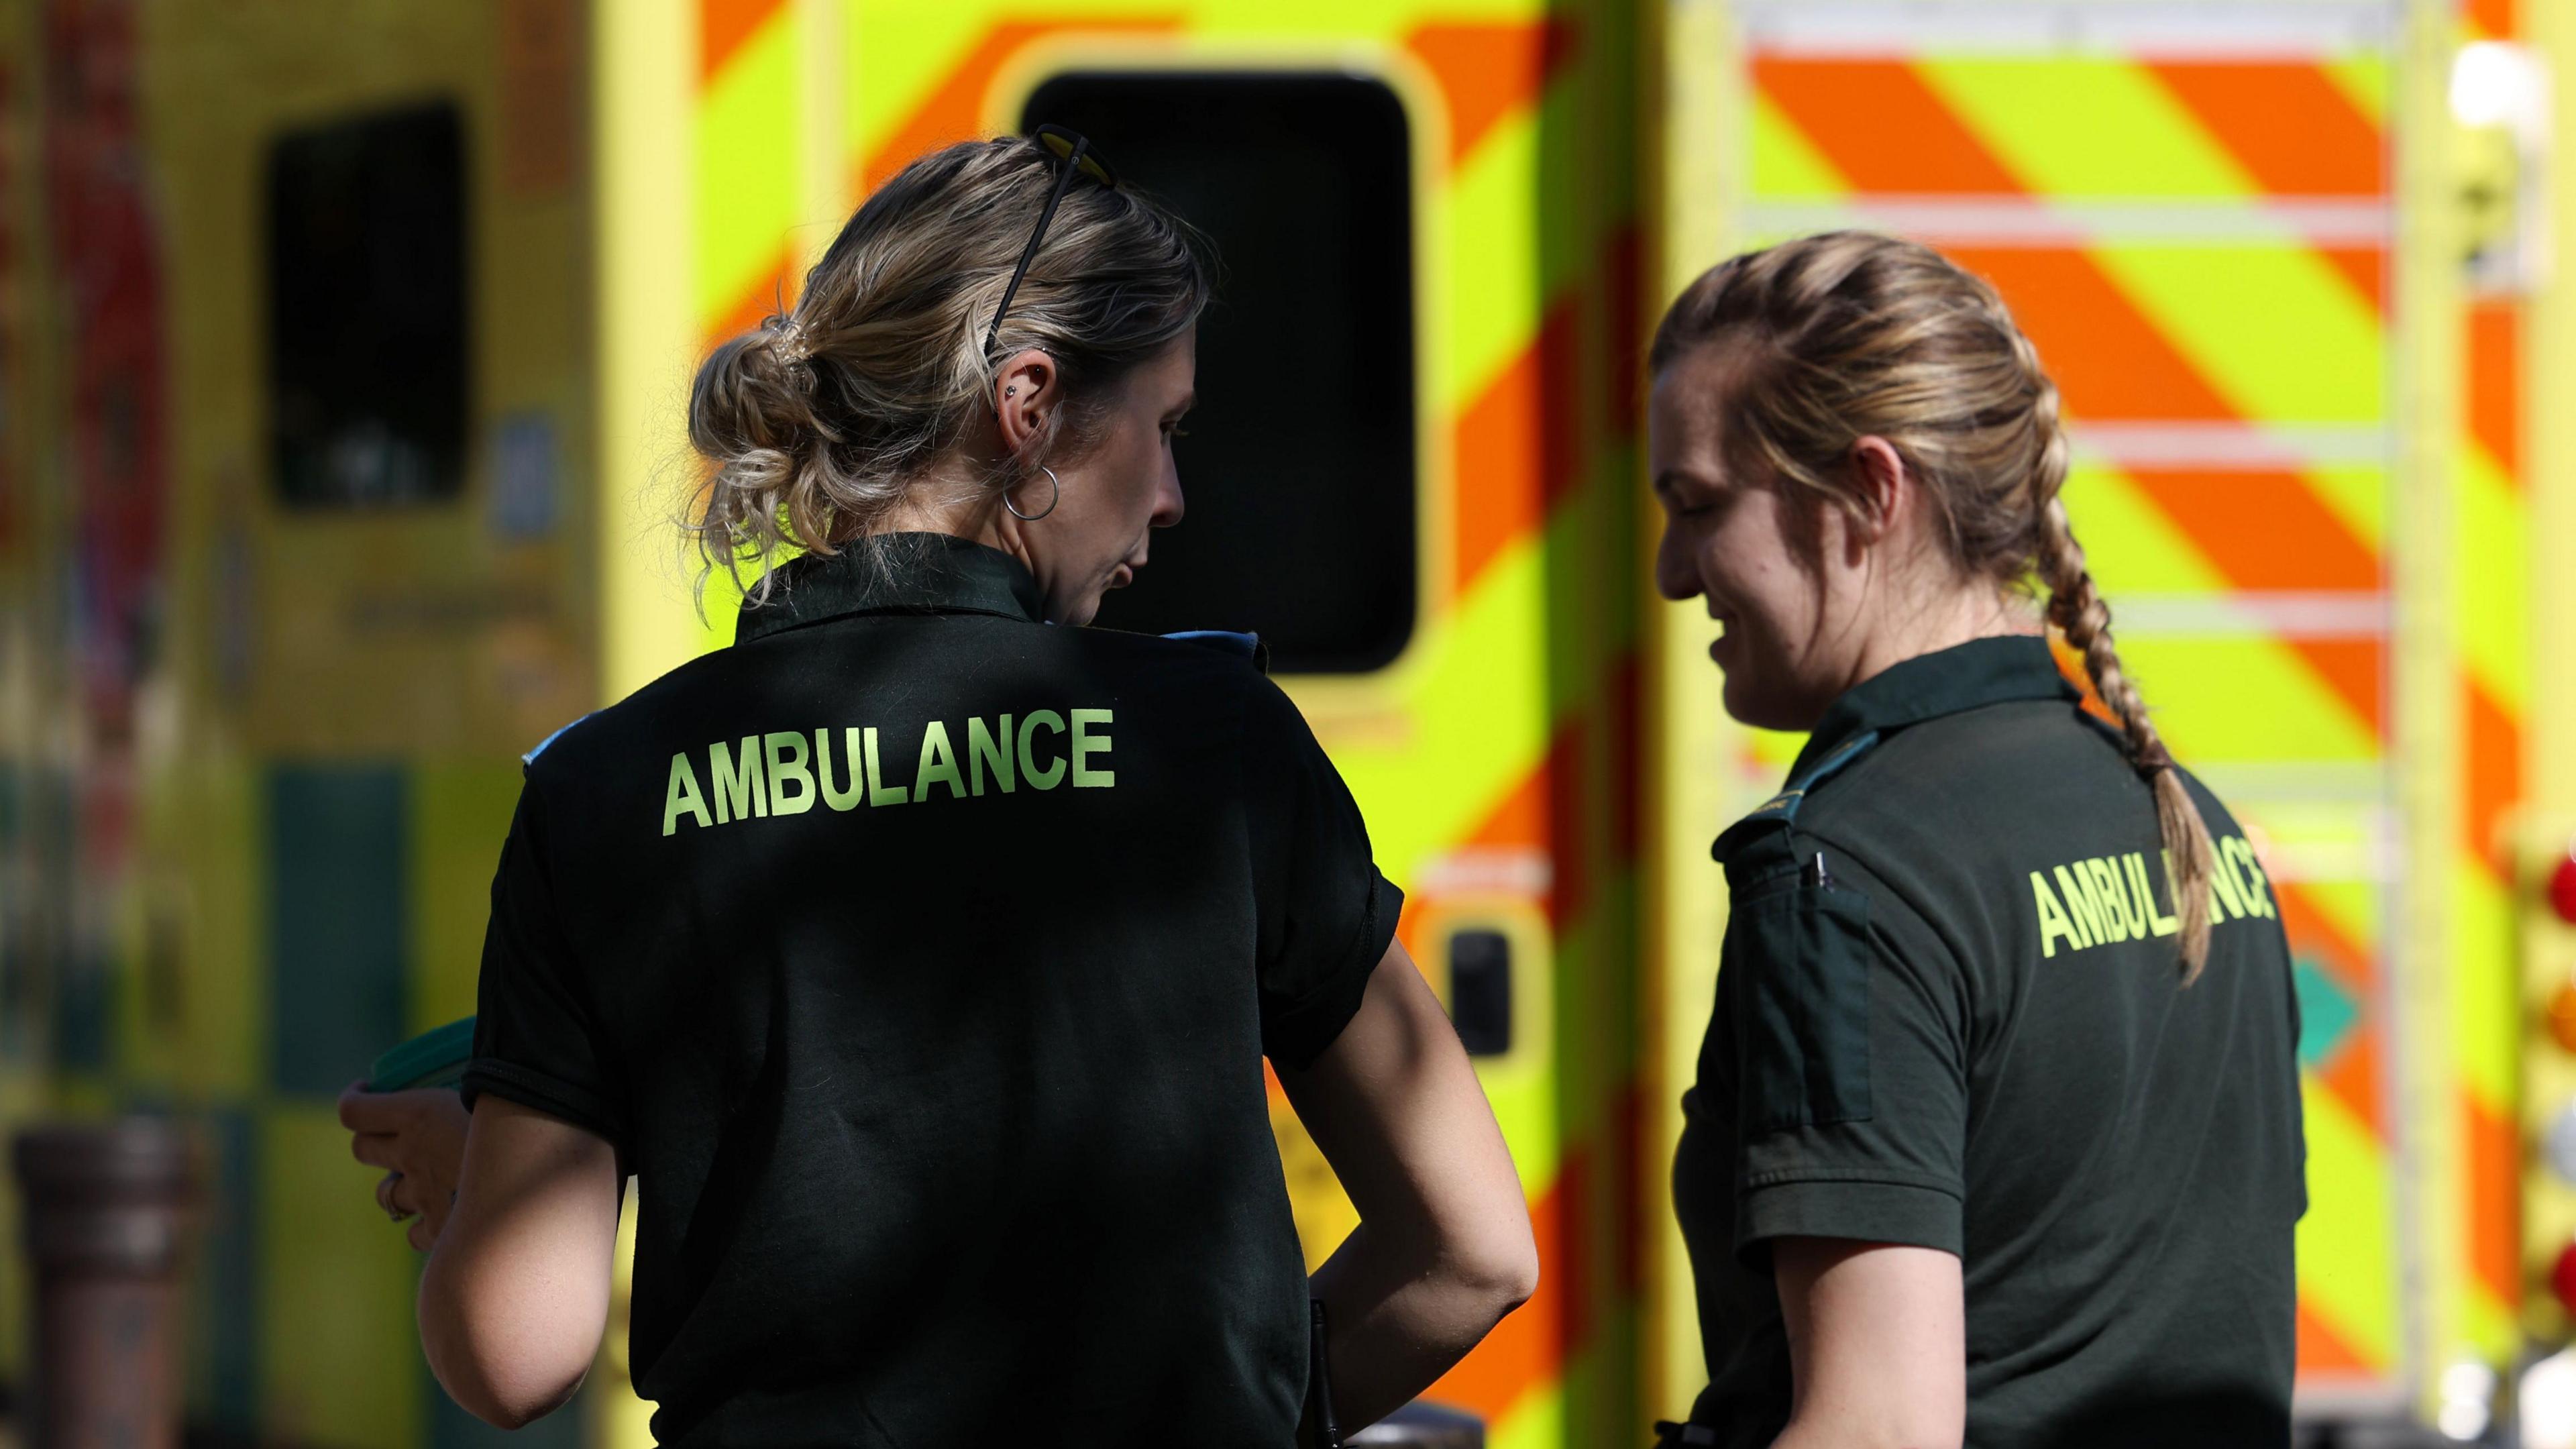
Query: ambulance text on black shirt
x,y
920,959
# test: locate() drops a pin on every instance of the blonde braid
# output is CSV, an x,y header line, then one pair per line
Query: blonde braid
x,y
2075,606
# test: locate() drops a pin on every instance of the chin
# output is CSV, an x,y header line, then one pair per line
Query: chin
x,y
1747,703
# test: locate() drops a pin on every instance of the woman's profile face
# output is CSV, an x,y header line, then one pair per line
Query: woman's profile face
x,y
1727,541
1122,489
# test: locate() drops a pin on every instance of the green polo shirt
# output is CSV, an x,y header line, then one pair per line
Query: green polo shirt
x,y
1950,1014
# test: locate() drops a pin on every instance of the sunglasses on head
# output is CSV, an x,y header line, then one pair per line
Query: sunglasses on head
x,y
1075,152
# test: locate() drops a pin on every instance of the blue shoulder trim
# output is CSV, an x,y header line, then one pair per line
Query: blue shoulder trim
x,y
1782,809
530,757
1246,647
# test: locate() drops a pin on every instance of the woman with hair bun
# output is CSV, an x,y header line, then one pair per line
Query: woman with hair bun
x,y
919,959
1996,1133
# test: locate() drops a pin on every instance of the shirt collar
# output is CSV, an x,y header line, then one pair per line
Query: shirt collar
x,y
905,573
1946,681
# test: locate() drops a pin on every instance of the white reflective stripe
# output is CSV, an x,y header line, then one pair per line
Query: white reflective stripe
x,y
1504,870
2013,221
2146,29
2249,613
2147,447
2255,786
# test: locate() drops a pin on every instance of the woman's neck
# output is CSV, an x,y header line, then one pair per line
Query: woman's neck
x,y
924,509
1943,620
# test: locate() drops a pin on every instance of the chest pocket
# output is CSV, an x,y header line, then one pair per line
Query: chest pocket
x,y
1796,961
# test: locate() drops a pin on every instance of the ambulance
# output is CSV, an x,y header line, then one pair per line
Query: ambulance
x,y
343,355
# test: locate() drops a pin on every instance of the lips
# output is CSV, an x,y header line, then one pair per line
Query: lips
x,y
1121,576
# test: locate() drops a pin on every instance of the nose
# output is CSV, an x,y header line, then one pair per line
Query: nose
x,y
1168,503
1676,575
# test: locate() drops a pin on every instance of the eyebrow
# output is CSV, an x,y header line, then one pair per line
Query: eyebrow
x,y
1184,405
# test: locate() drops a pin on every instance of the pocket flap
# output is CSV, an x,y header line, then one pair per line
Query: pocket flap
x,y
1800,960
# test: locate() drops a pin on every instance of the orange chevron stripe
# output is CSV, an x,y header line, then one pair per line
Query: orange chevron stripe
x,y
1882,126
2111,363
2321,1347
1515,445
1545,812
1522,819
2366,268
2356,670
2494,763
2295,130
723,27
1486,71
774,293
2355,1075
2495,391
2264,529
954,110
2496,19
2494,1150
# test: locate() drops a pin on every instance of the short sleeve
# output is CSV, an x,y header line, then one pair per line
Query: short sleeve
x,y
1324,915
1851,1062
537,1042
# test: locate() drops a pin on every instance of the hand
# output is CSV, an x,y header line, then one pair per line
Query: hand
x,y
419,1138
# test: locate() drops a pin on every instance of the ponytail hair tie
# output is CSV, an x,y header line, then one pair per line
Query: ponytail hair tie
x,y
788,339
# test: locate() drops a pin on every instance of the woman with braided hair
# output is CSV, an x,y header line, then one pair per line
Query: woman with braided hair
x,y
1996,1134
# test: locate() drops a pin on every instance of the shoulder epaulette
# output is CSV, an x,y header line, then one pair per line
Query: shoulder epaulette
x,y
1781,810
530,757
1246,647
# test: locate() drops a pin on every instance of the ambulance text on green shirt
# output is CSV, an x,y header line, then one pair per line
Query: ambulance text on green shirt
x,y
2110,898
788,772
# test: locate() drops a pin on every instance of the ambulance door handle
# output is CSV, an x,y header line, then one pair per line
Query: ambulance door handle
x,y
1480,991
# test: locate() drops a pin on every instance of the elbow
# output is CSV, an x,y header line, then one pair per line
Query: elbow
x,y
505,1396
508,1404
506,1413
508,1380
1503,1269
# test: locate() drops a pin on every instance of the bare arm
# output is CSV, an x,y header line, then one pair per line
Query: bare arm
x,y
1443,1249
1877,1345
515,1296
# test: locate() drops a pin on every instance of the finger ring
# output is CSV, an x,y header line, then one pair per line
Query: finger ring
x,y
393,1214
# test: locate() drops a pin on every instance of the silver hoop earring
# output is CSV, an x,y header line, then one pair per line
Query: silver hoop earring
x,y
1052,499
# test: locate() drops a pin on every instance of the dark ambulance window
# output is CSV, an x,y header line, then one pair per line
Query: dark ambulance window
x,y
1299,466
366,309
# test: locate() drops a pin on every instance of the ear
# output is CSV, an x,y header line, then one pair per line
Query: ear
x,y
1026,394
1881,484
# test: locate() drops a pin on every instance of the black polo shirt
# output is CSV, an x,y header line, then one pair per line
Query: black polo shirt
x,y
1950,1014
920,958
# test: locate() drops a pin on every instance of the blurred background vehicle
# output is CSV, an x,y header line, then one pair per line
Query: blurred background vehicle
x,y
342,358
